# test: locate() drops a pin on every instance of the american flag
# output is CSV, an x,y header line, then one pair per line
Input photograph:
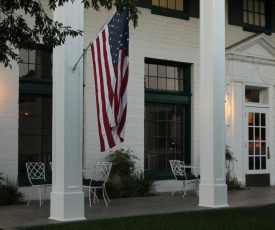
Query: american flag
x,y
110,54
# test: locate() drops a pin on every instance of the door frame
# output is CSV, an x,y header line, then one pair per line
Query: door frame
x,y
268,126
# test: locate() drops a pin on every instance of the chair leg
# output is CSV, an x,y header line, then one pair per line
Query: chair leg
x,y
106,194
90,196
197,187
39,188
103,194
44,193
174,188
182,187
185,187
30,197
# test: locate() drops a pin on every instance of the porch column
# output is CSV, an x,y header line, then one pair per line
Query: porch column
x,y
213,188
67,197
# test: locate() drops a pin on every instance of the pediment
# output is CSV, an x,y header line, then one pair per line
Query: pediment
x,y
258,46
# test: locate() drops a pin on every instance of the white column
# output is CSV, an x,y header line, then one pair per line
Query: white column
x,y
67,197
213,188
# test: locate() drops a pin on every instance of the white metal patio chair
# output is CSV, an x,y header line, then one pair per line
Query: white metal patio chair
x,y
179,171
36,175
98,176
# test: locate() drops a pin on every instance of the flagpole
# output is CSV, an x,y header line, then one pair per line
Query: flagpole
x,y
81,57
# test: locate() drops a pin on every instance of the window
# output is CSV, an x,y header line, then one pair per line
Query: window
x,y
35,110
174,8
253,15
36,63
167,113
177,5
162,77
256,95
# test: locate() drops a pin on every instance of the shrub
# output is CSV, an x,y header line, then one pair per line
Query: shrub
x,y
231,181
125,180
9,193
144,183
123,163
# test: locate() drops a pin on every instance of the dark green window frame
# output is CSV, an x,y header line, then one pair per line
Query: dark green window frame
x,y
170,98
182,14
192,9
240,15
32,87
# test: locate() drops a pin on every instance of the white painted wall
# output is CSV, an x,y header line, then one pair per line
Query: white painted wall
x,y
155,37
9,91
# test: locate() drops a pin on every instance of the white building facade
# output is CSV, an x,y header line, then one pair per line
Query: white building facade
x,y
163,119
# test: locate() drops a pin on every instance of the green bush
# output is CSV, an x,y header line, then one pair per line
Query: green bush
x,y
9,193
123,163
144,184
231,181
125,180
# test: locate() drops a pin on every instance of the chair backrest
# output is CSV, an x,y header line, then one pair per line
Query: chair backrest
x,y
35,171
178,167
101,171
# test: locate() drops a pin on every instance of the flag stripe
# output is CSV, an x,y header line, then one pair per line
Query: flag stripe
x,y
110,53
102,145
105,105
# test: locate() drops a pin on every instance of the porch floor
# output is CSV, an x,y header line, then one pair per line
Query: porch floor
x,y
18,216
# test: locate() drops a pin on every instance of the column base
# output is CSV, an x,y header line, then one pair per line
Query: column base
x,y
67,206
213,196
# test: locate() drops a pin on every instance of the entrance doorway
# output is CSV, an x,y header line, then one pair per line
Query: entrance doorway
x,y
256,154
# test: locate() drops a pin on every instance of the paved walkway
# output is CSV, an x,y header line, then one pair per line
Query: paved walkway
x,y
19,216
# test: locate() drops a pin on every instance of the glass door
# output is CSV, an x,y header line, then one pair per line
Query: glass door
x,y
257,145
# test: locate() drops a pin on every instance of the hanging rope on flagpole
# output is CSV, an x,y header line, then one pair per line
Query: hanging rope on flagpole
x,y
81,57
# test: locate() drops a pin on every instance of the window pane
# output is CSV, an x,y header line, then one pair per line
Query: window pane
x,y
257,163
263,20
153,71
252,95
263,162
245,17
172,4
146,69
170,71
179,5
257,20
250,133
165,130
251,163
262,119
163,3
155,2
245,4
257,6
36,63
171,84
262,7
251,18
161,71
153,83
35,145
162,83
251,148
257,119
